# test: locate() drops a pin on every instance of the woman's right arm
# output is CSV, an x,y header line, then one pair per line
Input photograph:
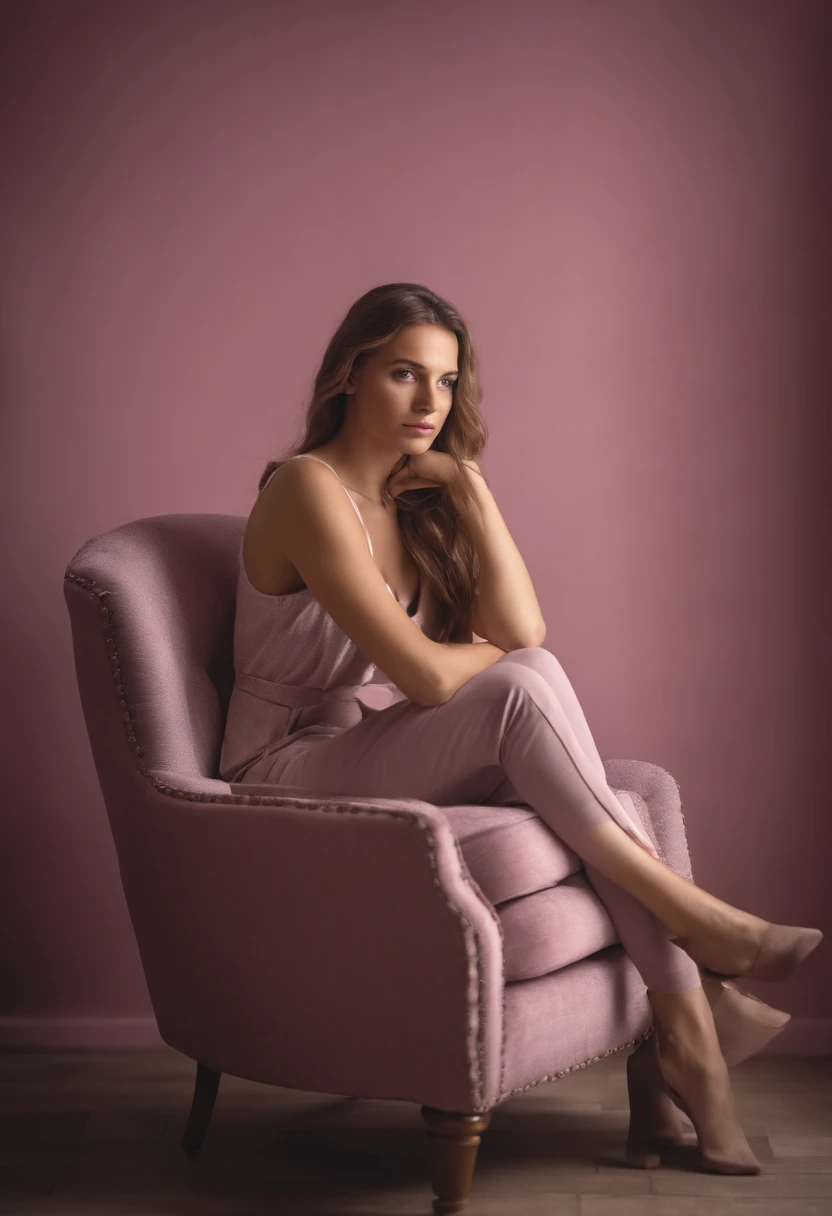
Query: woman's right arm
x,y
463,660
308,521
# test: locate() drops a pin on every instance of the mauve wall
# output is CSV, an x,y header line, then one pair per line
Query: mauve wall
x,y
628,203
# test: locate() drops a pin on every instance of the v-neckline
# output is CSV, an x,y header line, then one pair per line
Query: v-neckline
x,y
414,603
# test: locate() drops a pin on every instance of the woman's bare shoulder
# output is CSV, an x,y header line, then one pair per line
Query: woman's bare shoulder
x,y
270,524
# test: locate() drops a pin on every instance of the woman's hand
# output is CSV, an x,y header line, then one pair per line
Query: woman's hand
x,y
425,469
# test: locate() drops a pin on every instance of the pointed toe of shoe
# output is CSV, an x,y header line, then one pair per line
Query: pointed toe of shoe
x,y
783,949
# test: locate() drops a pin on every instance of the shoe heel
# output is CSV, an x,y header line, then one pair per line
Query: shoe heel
x,y
744,1024
654,1125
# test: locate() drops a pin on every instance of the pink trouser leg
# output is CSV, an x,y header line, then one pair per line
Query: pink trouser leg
x,y
518,720
663,966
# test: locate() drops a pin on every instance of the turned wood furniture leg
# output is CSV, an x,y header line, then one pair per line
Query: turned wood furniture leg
x,y
453,1140
205,1093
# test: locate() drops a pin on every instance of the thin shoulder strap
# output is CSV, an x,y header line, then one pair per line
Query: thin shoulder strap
x,y
268,479
309,456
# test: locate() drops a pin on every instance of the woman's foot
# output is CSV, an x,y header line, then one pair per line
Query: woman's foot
x,y
697,1079
654,1117
736,943
743,1025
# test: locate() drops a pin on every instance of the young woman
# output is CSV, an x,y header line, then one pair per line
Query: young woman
x,y
379,544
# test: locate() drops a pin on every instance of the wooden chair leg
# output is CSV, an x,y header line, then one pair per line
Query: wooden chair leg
x,y
205,1094
453,1140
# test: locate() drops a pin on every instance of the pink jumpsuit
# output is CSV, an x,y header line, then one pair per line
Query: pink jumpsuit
x,y
296,717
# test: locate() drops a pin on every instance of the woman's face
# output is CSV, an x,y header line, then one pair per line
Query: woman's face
x,y
411,379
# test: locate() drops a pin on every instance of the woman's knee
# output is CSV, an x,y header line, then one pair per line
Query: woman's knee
x,y
538,658
541,660
517,679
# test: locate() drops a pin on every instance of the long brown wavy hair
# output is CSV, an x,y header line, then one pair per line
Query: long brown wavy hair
x,y
431,519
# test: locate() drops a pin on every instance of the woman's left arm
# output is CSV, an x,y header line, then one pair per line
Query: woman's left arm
x,y
506,612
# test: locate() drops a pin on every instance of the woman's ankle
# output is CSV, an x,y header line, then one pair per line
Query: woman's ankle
x,y
684,1026
703,1061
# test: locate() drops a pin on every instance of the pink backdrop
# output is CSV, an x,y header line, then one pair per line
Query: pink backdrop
x,y
627,202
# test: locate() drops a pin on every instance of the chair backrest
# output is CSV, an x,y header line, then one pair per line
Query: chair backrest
x,y
151,607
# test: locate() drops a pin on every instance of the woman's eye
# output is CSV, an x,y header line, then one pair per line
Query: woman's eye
x,y
407,371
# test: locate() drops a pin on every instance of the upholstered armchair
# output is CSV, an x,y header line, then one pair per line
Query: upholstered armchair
x,y
452,956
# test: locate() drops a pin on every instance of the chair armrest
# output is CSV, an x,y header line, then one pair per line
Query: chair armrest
x,y
659,805
335,945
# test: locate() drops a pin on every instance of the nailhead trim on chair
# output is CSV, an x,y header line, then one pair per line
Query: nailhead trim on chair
x,y
476,1066
556,1076
475,1058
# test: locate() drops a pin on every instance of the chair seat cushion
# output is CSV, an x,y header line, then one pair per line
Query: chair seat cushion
x,y
509,850
548,909
552,928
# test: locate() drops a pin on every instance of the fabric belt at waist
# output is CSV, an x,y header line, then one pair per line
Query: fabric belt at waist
x,y
291,694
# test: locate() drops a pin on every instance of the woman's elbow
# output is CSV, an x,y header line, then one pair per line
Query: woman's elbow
x,y
530,637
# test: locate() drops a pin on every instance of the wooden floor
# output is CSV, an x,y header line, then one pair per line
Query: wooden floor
x,y
97,1133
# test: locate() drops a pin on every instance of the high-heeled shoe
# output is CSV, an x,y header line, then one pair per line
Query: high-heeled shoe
x,y
653,1129
744,1024
708,1164
654,1119
782,950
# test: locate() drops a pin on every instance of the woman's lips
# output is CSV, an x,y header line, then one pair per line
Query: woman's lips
x,y
421,429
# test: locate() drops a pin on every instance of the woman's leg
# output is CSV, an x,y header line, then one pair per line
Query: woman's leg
x,y
664,967
510,721
507,722
687,1052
